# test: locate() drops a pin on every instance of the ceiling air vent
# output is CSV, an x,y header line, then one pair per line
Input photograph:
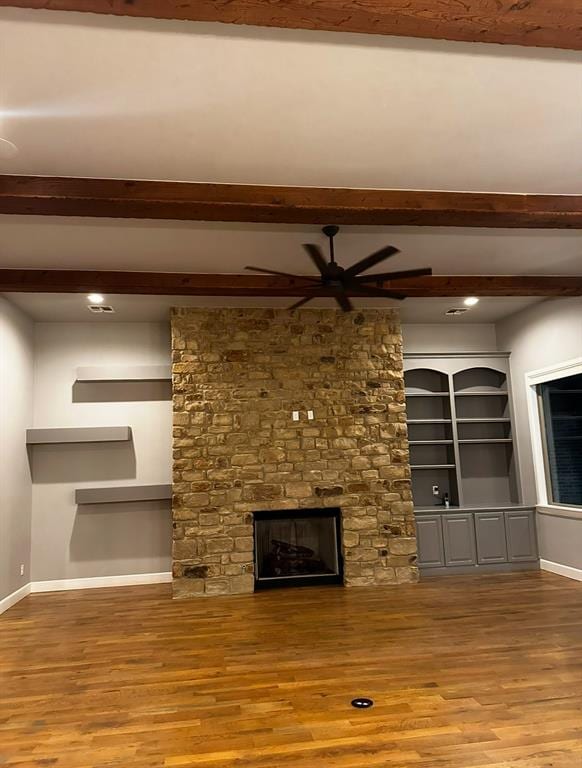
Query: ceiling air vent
x,y
100,308
456,311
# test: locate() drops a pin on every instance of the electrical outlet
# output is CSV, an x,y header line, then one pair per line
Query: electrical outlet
x,y
295,415
435,490
22,569
310,415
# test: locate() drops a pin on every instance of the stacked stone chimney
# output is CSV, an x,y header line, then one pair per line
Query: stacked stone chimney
x,y
238,374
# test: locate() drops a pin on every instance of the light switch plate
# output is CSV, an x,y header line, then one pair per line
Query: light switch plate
x,y
310,415
295,415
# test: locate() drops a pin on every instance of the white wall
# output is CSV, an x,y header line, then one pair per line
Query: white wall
x,y
445,337
70,542
16,375
543,335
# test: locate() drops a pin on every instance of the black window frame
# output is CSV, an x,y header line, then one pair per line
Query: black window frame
x,y
546,418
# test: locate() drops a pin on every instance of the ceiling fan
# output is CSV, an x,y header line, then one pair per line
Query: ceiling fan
x,y
339,282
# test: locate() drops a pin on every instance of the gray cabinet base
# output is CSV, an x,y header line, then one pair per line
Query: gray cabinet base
x,y
475,570
476,541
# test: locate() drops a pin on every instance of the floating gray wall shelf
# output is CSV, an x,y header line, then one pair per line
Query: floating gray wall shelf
x,y
125,373
122,494
78,435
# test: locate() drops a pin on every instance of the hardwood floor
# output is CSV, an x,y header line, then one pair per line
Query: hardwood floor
x,y
465,671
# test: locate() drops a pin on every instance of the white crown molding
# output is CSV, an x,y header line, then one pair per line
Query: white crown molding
x,y
561,570
99,582
14,598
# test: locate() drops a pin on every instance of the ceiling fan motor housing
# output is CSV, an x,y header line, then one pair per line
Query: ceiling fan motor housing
x,y
330,231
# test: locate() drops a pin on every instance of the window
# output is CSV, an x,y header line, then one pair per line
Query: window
x,y
561,415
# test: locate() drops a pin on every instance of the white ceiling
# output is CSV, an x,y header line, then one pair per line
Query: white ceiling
x,y
77,243
89,95
63,307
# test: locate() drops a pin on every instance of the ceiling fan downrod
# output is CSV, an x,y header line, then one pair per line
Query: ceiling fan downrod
x,y
331,231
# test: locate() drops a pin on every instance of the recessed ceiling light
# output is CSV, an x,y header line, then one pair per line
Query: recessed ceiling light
x,y
7,149
99,309
470,301
95,298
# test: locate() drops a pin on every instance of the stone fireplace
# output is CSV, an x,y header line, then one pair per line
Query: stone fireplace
x,y
238,376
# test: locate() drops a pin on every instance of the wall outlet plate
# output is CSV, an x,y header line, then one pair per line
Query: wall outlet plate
x,y
310,415
435,490
295,415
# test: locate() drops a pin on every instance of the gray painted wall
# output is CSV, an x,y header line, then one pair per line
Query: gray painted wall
x,y
545,334
560,539
449,337
110,540
16,376
71,542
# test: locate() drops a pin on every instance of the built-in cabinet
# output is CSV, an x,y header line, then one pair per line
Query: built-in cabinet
x,y
485,539
462,452
491,539
429,541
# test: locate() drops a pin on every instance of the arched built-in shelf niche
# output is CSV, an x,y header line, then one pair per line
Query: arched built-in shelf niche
x,y
426,381
483,426
482,404
428,404
432,455
459,428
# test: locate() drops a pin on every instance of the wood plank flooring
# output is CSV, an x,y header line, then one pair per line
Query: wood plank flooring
x,y
465,672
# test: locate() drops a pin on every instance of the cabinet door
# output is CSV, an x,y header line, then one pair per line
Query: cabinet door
x,y
429,541
490,535
459,539
520,527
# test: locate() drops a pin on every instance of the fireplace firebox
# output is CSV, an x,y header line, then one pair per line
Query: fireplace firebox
x,y
298,548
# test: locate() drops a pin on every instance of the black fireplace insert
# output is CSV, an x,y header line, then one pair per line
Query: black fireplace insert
x,y
298,548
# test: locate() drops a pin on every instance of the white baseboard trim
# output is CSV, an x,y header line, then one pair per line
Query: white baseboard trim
x,y
561,570
98,582
14,598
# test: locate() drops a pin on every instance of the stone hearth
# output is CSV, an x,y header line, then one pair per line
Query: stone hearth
x,y
237,376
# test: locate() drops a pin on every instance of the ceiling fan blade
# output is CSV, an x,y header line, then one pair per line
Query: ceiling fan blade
x,y
344,302
371,261
381,293
394,275
283,274
317,257
301,302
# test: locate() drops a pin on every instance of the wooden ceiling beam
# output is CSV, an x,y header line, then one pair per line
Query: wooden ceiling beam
x,y
118,198
179,284
547,23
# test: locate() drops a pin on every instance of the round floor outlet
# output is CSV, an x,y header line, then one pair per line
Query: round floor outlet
x,y
362,703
